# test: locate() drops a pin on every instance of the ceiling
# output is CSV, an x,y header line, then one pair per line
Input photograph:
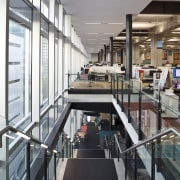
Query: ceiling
x,y
95,21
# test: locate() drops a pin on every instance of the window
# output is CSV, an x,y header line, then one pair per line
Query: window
x,y
19,72
45,7
44,65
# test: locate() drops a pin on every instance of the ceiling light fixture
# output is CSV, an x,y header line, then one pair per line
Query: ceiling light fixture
x,y
115,23
109,33
175,32
91,39
92,33
93,23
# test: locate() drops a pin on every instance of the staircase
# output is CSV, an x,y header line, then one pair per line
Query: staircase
x,y
90,163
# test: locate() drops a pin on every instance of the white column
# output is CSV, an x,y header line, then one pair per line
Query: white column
x,y
4,46
36,53
51,52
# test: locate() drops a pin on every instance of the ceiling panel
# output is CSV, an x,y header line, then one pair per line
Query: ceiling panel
x,y
100,11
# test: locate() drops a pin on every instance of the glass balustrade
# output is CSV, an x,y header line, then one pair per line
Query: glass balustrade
x,y
154,158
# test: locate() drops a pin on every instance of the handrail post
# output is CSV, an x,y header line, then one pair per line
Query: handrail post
x,y
45,164
159,112
118,148
55,166
129,103
126,164
28,161
111,84
117,95
139,124
153,161
122,95
135,159
114,81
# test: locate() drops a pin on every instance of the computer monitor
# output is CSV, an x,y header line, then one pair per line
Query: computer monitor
x,y
151,72
176,72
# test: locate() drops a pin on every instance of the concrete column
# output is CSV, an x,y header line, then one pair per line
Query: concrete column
x,y
136,54
156,53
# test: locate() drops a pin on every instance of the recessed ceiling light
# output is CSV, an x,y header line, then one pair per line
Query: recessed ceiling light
x,y
115,23
175,32
173,39
91,23
177,29
109,33
91,39
148,40
92,33
120,38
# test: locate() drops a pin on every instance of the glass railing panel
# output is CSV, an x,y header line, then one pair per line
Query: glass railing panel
x,y
90,81
44,126
168,156
142,163
13,156
58,107
51,165
36,151
134,106
124,95
51,118
130,165
149,118
156,158
64,99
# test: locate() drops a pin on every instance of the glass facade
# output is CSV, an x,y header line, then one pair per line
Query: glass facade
x,y
34,50
19,65
44,64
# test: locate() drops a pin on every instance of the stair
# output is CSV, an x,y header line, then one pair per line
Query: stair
x,y
90,169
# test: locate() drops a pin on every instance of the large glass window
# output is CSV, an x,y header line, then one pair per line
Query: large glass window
x,y
44,64
19,72
45,7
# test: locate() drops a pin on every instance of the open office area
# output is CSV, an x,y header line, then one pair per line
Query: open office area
x,y
89,90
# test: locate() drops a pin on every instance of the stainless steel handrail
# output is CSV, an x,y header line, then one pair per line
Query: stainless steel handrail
x,y
146,141
10,128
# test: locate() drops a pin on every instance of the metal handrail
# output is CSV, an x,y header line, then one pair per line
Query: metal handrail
x,y
146,141
10,128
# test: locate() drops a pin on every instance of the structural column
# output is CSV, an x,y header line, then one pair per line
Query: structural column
x,y
4,46
129,46
156,52
111,51
105,51
36,57
101,55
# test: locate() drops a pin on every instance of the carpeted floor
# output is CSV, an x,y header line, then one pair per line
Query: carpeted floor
x,y
92,141
90,169
90,163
